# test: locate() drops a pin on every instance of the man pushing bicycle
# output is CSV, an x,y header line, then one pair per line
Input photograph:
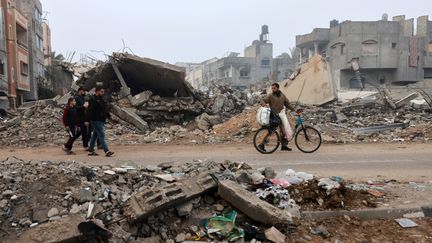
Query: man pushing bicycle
x,y
278,102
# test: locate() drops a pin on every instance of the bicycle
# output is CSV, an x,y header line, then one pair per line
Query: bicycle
x,y
304,135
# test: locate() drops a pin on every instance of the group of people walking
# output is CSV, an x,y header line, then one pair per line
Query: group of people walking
x,y
86,117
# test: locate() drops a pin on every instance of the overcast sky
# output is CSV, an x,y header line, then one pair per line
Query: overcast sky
x,y
196,30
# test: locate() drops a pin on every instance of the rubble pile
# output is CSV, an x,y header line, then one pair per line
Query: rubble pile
x,y
352,122
371,122
155,94
200,200
41,125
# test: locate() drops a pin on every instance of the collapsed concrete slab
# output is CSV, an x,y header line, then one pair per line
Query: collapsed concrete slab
x,y
382,128
129,115
153,200
312,84
139,74
141,98
406,100
251,205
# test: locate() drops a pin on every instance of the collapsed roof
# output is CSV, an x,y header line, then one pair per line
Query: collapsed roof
x,y
139,74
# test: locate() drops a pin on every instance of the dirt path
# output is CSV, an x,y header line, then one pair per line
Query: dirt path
x,y
412,162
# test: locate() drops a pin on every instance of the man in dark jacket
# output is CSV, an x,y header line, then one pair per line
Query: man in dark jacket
x,y
278,103
71,122
81,106
97,114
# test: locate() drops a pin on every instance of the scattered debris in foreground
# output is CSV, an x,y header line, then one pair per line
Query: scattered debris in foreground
x,y
178,202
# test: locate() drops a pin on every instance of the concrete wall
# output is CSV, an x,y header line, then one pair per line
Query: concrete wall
x,y
47,43
256,65
32,9
3,56
383,48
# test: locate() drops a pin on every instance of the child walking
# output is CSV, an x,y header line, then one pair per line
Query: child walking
x,y
71,122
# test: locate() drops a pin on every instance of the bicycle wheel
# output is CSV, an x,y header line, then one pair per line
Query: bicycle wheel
x,y
269,138
308,139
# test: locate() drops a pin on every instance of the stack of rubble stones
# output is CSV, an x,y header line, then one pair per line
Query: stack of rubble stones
x,y
44,201
340,123
41,125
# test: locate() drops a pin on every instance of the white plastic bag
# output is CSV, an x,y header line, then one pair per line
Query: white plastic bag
x,y
263,116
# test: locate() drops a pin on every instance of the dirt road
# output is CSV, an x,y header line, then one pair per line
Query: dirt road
x,y
404,162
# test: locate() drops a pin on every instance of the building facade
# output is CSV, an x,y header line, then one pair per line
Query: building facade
x,y
17,63
385,52
32,9
21,50
257,64
47,43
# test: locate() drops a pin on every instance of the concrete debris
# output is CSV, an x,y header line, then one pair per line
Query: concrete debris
x,y
311,84
141,98
375,129
274,235
151,201
342,122
406,100
251,205
184,210
129,115
56,197
153,104
65,229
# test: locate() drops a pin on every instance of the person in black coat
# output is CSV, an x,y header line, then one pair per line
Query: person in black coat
x,y
71,123
81,106
98,112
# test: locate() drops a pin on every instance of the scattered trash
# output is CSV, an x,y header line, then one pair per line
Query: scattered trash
x,y
406,223
328,184
224,226
296,178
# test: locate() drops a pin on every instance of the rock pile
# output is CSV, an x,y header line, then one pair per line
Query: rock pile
x,y
51,196
41,125
361,122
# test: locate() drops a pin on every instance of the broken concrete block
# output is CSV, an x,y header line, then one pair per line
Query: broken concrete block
x,y
205,121
274,235
150,201
166,177
65,229
141,98
85,195
340,117
40,215
180,237
404,101
251,205
131,117
184,210
53,212
63,100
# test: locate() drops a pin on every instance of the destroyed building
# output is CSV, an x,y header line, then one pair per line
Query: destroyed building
x,y
257,64
150,93
385,52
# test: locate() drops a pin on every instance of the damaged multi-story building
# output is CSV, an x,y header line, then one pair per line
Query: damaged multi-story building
x,y
383,52
21,51
257,64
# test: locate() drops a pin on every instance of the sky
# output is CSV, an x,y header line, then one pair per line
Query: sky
x,y
197,30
